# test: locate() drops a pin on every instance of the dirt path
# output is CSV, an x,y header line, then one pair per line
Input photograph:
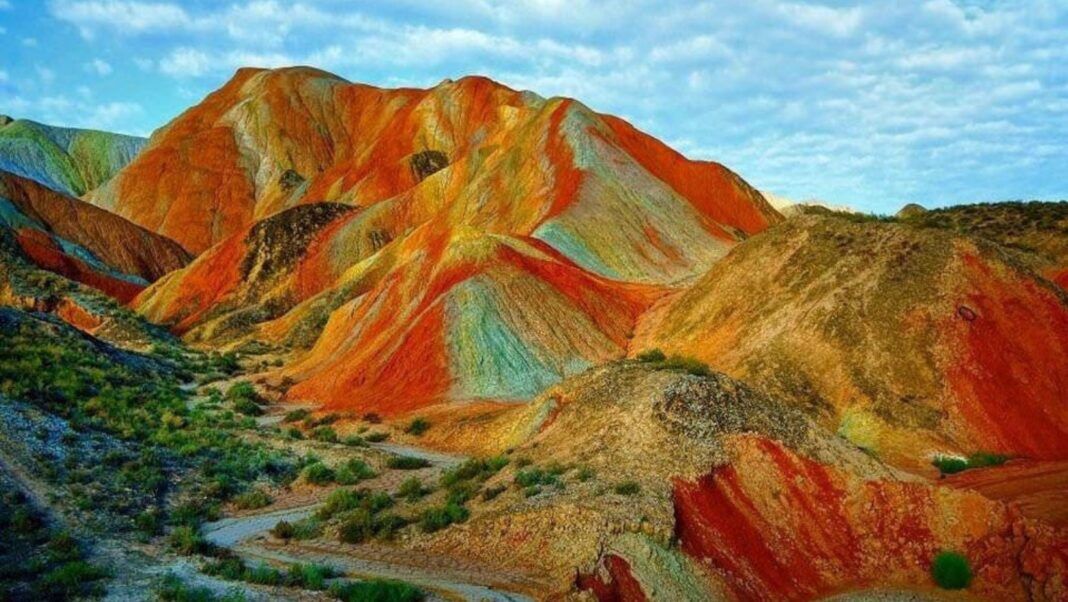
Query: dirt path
x,y
444,578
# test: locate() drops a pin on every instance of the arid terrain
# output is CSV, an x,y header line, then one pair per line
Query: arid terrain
x,y
315,339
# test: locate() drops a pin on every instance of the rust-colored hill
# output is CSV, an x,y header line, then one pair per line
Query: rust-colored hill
x,y
418,246
612,199
910,342
72,238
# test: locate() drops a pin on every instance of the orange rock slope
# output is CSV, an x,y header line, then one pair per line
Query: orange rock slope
x,y
494,241
84,243
510,161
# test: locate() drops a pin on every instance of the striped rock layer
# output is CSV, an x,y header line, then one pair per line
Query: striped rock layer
x,y
483,243
69,237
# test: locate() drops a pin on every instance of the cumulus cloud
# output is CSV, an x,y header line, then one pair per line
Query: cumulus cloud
x,y
98,66
871,105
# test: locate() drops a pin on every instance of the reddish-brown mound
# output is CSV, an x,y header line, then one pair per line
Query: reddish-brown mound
x,y
121,245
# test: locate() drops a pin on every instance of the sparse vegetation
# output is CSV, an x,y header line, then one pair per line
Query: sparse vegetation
x,y
652,355
354,471
417,427
376,437
435,519
627,488
407,463
319,474
376,590
251,500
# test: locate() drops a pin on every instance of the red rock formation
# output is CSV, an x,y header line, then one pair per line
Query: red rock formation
x,y
119,244
782,527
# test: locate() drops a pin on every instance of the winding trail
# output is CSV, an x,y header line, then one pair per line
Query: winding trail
x,y
442,578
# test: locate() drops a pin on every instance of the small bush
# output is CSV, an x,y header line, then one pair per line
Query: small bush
x,y
652,355
252,500
171,588
951,571
307,528
263,574
310,576
324,434
417,427
319,474
435,519
357,527
412,489
376,437
296,415
407,463
687,364
531,477
354,441
72,580
953,464
376,590
627,488
186,540
354,471
283,530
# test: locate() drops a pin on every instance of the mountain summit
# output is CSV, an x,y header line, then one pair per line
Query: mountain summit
x,y
471,151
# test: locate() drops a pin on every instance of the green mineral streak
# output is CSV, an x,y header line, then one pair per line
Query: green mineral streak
x,y
64,159
491,361
563,239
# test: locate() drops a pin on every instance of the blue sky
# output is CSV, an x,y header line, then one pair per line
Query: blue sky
x,y
871,105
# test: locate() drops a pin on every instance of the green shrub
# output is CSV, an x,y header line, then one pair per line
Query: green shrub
x,y
318,474
294,433
652,355
354,471
343,500
407,463
263,574
435,519
536,476
417,427
324,434
687,364
950,570
354,441
72,580
376,590
627,488
187,541
953,464
231,569
307,528
252,500
357,527
310,576
412,489
480,469
296,415
171,588
376,437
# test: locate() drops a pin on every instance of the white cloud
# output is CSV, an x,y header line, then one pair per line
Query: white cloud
x,y
834,21
5,5
45,74
98,66
121,15
186,62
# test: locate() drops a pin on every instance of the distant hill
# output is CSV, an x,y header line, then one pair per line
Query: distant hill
x,y
68,160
